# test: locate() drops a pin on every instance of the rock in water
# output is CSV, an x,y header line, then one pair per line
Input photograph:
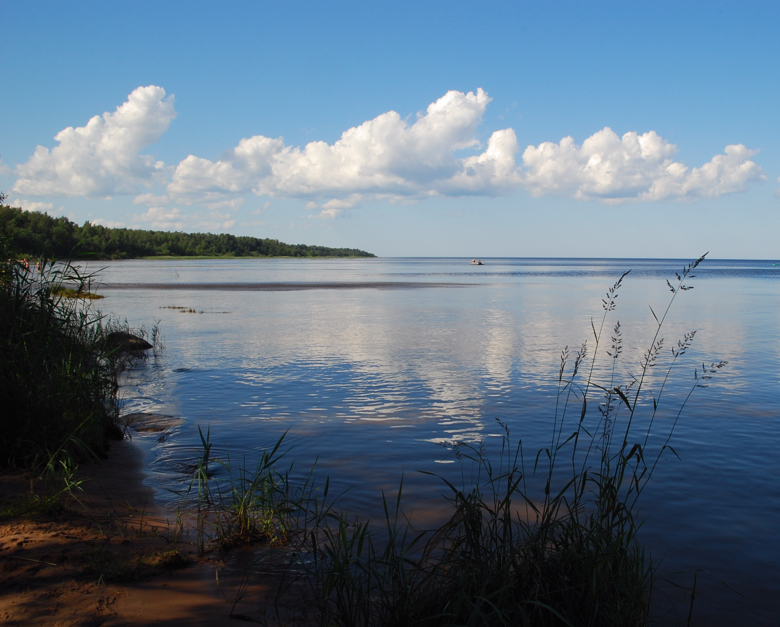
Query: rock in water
x,y
123,341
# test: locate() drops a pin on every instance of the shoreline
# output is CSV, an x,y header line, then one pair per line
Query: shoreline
x,y
111,558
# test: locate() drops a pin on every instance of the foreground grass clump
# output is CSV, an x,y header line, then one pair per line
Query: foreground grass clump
x,y
57,372
260,504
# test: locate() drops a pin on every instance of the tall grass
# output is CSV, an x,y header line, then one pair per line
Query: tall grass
x,y
243,504
57,372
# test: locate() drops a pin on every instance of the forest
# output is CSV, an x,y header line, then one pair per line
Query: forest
x,y
41,235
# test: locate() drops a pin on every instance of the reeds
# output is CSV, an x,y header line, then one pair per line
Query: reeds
x,y
57,374
247,504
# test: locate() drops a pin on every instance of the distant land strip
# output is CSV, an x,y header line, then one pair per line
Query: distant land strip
x,y
41,235
281,287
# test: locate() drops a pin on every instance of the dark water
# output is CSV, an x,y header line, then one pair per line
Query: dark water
x,y
374,367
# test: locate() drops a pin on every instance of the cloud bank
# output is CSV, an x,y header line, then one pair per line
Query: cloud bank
x,y
34,205
102,158
387,158
616,169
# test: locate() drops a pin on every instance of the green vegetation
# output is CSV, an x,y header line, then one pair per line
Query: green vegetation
x,y
69,292
259,505
57,371
548,540
40,235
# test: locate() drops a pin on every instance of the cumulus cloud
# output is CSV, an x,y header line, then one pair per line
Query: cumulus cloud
x,y
151,199
386,157
175,219
438,153
111,224
102,158
32,205
616,169
333,207
233,204
328,214
214,221
164,219
493,170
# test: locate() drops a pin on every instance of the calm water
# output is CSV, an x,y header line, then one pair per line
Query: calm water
x,y
375,366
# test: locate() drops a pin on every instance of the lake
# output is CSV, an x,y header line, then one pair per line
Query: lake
x,y
376,367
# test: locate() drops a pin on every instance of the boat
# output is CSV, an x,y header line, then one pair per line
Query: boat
x,y
477,262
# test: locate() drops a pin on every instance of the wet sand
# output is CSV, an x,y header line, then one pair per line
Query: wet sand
x,y
67,569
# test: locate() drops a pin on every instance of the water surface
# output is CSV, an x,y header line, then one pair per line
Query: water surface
x,y
375,367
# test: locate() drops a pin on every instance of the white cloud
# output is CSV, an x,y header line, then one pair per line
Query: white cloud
x,y
107,223
164,219
330,213
493,170
151,199
386,155
233,204
32,205
215,221
615,169
175,219
337,204
102,158
387,158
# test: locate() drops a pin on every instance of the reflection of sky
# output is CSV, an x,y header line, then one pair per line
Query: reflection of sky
x,y
447,359
371,381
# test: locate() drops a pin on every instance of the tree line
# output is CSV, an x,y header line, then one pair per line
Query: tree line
x,y
39,234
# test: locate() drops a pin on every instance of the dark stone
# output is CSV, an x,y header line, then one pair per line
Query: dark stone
x,y
123,341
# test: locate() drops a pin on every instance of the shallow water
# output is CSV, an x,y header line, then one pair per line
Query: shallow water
x,y
375,366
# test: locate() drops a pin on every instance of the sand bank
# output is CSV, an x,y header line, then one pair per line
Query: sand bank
x,y
281,287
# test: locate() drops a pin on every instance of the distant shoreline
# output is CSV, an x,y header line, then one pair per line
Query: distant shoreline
x,y
213,257
39,234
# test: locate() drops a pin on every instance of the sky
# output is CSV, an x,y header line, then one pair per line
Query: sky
x,y
427,128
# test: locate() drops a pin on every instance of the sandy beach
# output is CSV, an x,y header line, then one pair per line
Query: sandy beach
x,y
110,559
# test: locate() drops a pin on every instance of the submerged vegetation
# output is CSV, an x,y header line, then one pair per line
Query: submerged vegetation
x,y
546,538
69,292
40,235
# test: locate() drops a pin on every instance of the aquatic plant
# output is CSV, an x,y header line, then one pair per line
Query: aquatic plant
x,y
242,504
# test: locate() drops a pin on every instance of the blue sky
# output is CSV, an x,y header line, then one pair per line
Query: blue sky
x,y
582,129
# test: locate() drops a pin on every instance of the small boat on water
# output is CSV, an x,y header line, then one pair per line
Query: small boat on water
x,y
477,262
